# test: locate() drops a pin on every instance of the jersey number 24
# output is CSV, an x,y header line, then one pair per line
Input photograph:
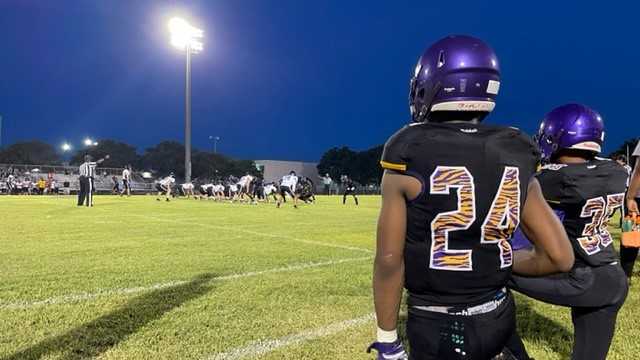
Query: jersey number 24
x,y
498,226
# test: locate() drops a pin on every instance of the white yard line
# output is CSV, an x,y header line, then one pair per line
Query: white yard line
x,y
258,233
262,347
79,297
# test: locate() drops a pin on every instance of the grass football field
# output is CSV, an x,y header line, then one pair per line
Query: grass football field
x,y
133,278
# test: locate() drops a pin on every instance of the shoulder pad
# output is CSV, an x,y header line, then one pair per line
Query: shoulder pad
x,y
394,154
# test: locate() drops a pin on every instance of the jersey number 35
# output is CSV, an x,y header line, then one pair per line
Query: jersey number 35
x,y
596,232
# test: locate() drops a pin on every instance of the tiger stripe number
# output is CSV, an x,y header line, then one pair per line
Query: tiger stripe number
x,y
595,235
502,220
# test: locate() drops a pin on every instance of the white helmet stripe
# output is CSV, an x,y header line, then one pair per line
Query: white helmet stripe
x,y
587,145
487,106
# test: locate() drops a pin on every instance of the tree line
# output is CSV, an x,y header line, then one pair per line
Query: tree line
x,y
167,156
163,158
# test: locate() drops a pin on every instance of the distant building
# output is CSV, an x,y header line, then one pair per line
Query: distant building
x,y
274,170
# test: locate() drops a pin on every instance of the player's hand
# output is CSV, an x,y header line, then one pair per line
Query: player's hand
x,y
389,351
107,156
632,207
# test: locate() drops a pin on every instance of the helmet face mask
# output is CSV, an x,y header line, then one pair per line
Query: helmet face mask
x,y
457,73
570,127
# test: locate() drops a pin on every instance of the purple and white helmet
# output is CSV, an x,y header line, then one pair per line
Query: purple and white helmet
x,y
570,126
457,73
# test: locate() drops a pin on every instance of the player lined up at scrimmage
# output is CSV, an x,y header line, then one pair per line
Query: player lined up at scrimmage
x,y
288,185
454,190
249,189
164,186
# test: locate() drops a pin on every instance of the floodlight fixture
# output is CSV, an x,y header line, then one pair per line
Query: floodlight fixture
x,y
184,36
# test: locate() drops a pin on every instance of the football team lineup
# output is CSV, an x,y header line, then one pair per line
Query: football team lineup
x,y
337,221
138,279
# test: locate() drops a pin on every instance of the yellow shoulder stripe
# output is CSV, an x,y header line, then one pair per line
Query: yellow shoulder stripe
x,y
392,166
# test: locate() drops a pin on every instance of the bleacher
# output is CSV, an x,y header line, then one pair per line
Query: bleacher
x,y
66,177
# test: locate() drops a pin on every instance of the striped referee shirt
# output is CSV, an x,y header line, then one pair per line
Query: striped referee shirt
x,y
88,169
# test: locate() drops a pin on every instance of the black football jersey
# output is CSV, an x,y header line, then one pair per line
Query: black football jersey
x,y
586,195
475,179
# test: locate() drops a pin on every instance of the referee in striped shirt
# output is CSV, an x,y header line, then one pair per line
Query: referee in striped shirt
x,y
87,185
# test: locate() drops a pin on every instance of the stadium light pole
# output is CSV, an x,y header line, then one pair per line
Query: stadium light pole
x,y
88,142
66,149
188,39
215,140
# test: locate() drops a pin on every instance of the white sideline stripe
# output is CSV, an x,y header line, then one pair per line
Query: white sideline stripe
x,y
262,347
225,228
65,299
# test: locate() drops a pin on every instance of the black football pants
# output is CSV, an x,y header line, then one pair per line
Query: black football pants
x,y
349,192
84,188
594,294
436,336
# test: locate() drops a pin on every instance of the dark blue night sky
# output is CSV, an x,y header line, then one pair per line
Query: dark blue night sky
x,y
289,79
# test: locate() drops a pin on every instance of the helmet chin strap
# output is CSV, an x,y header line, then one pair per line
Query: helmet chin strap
x,y
425,109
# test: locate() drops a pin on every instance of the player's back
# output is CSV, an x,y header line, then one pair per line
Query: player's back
x,y
289,180
474,183
586,195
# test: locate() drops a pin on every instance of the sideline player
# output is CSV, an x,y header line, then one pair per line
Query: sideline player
x,y
453,191
164,186
115,190
126,181
628,255
288,185
585,191
11,184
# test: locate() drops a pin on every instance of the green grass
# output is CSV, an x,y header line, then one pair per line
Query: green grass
x,y
133,278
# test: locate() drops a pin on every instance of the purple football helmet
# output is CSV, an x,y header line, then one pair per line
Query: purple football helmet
x,y
570,126
457,73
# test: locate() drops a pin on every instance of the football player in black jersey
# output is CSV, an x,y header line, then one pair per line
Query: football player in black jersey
x,y
585,191
453,191
349,189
